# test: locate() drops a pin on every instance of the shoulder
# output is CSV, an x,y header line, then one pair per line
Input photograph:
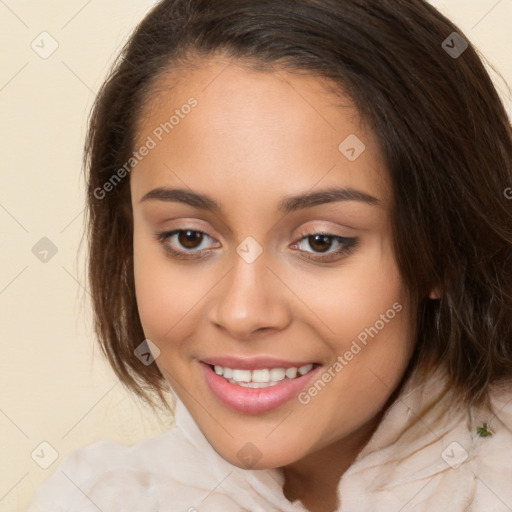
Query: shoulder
x,y
431,449
492,463
73,474
171,471
95,476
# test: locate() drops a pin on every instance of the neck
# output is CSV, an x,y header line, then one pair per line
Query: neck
x,y
314,479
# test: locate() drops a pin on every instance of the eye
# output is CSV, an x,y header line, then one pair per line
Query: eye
x,y
325,246
194,244
185,243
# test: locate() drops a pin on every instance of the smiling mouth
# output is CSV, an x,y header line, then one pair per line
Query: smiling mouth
x,y
262,377
260,385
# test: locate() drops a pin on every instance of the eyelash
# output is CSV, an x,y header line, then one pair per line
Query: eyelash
x,y
349,244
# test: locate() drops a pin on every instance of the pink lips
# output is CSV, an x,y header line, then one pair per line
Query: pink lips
x,y
255,400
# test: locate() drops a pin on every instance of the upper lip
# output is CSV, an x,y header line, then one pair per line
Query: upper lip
x,y
253,363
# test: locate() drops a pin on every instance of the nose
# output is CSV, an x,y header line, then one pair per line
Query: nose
x,y
249,300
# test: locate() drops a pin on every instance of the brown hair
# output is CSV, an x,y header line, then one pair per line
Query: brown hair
x,y
443,130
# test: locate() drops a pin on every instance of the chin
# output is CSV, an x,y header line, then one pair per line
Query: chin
x,y
249,456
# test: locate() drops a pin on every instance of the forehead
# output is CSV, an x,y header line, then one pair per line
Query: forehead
x,y
273,130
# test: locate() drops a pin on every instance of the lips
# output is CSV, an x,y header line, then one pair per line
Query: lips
x,y
249,398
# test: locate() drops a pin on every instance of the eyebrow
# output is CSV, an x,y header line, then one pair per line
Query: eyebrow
x,y
287,205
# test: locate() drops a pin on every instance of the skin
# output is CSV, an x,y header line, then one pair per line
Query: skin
x,y
253,139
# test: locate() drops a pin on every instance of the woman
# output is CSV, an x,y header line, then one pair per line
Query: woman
x,y
298,224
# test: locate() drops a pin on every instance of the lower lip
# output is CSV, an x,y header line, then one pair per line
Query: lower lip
x,y
255,400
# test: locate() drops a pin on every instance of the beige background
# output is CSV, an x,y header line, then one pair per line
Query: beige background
x,y
55,385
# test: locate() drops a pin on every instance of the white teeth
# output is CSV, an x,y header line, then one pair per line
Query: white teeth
x,y
305,369
261,378
277,374
261,375
254,384
291,373
242,375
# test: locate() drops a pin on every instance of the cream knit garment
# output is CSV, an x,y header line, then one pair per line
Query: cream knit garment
x,y
425,456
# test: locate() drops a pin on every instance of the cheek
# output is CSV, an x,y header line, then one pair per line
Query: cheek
x,y
164,295
368,290
365,320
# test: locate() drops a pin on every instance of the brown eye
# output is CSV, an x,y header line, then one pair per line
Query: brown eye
x,y
320,243
324,247
186,243
190,239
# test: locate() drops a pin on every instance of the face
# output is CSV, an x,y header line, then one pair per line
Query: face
x,y
263,257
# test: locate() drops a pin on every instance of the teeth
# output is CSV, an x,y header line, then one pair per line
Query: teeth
x,y
242,375
261,378
253,384
291,373
305,369
277,374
